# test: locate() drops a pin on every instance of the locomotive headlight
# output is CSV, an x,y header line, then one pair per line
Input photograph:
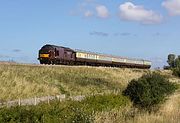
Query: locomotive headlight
x,y
44,55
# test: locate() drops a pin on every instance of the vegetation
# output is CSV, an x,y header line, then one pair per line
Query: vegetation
x,y
65,112
171,60
174,64
149,90
26,81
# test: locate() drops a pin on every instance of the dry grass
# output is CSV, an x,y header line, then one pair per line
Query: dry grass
x,y
169,112
25,81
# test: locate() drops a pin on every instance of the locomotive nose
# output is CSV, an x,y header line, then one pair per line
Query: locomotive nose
x,y
43,53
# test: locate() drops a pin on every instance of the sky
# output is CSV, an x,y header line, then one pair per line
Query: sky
x,y
148,29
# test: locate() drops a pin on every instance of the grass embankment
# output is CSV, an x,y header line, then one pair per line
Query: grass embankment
x,y
28,81
25,81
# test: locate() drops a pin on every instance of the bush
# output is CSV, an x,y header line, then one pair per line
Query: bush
x,y
149,90
105,102
176,71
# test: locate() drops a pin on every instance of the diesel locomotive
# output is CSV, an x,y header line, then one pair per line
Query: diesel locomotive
x,y
51,54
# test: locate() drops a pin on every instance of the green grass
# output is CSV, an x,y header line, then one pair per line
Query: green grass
x,y
25,81
64,112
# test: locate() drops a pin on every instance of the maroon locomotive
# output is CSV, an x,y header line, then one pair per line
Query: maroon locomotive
x,y
51,54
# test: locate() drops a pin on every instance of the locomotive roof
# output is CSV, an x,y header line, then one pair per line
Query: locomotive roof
x,y
55,46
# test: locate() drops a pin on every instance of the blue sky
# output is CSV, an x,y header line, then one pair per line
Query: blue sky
x,y
131,28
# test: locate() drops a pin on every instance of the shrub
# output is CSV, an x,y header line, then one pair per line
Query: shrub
x,y
105,102
176,71
65,112
149,90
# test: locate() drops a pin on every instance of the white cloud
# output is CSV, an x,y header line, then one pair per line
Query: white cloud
x,y
102,11
172,6
88,13
129,11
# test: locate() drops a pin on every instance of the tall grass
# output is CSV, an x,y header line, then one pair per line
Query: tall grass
x,y
25,81
22,81
169,112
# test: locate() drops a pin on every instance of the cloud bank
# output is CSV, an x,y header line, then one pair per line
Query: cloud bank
x,y
172,6
129,11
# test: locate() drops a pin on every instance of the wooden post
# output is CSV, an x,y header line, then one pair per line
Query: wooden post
x,y
35,101
7,103
19,102
48,99
58,96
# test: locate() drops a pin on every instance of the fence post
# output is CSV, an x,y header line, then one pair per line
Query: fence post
x,y
35,101
114,91
48,99
58,97
7,104
19,102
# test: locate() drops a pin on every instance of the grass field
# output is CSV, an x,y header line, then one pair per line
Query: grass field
x,y
25,81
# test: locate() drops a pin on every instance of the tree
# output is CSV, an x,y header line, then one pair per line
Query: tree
x,y
174,64
177,62
171,60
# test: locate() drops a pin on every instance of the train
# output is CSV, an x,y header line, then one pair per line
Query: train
x,y
59,55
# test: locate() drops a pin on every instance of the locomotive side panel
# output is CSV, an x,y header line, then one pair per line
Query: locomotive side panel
x,y
67,56
59,53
